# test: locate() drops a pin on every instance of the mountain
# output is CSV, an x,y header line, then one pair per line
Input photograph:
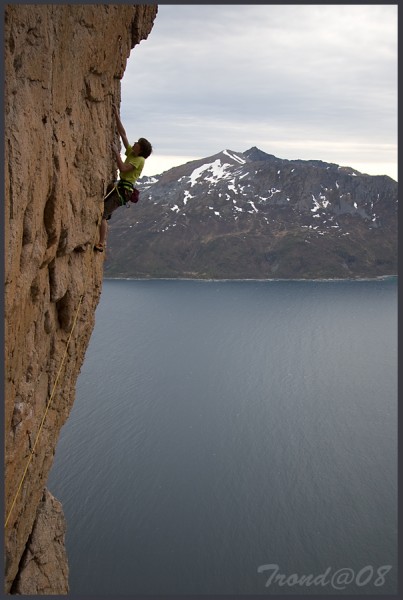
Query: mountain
x,y
253,215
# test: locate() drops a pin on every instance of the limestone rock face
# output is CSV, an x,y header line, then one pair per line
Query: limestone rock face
x,y
45,550
63,68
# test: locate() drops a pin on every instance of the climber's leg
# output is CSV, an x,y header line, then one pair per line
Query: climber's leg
x,y
103,230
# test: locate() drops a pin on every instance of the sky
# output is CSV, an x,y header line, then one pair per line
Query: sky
x,y
297,81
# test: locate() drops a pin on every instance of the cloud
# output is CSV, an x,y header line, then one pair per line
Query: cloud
x,y
210,77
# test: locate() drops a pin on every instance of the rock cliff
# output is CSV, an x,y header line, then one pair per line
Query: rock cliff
x,y
63,68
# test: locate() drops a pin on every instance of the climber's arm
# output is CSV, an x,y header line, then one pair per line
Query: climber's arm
x,y
120,127
123,166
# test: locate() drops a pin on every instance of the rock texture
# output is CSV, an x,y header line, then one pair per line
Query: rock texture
x,y
44,550
63,68
253,215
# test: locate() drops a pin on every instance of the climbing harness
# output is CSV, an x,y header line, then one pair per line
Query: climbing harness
x,y
32,452
122,189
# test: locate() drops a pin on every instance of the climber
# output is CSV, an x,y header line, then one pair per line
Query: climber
x,y
129,171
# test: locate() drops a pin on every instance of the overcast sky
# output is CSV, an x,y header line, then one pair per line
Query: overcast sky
x,y
308,82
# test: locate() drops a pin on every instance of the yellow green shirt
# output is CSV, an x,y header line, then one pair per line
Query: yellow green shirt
x,y
138,164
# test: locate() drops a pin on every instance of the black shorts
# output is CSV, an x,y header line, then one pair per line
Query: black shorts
x,y
111,203
114,200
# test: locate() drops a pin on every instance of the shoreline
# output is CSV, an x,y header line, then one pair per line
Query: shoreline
x,y
323,279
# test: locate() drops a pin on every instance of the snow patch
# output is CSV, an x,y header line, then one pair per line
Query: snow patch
x,y
316,204
322,204
272,191
234,157
216,168
187,197
231,186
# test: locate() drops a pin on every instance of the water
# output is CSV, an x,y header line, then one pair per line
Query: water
x,y
223,426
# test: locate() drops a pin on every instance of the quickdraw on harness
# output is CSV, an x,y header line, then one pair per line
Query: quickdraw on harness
x,y
125,191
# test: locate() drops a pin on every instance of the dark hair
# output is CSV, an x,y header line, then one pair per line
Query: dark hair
x,y
146,147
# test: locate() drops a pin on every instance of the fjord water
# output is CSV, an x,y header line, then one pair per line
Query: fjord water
x,y
223,426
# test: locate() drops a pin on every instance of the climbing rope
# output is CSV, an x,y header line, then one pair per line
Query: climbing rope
x,y
116,189
46,412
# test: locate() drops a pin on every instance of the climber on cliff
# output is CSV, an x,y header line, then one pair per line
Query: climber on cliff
x,y
120,192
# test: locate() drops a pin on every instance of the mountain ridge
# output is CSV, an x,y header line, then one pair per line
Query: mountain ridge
x,y
253,215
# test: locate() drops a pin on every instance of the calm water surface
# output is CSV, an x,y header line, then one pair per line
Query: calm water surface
x,y
223,426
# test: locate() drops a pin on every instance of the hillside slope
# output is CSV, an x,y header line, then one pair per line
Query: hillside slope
x,y
253,215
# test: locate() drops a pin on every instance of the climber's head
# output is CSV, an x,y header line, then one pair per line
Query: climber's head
x,y
142,148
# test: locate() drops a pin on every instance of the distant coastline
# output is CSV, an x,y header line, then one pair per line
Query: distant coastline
x,y
324,279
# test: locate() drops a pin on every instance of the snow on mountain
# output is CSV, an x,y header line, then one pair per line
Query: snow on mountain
x,y
250,211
